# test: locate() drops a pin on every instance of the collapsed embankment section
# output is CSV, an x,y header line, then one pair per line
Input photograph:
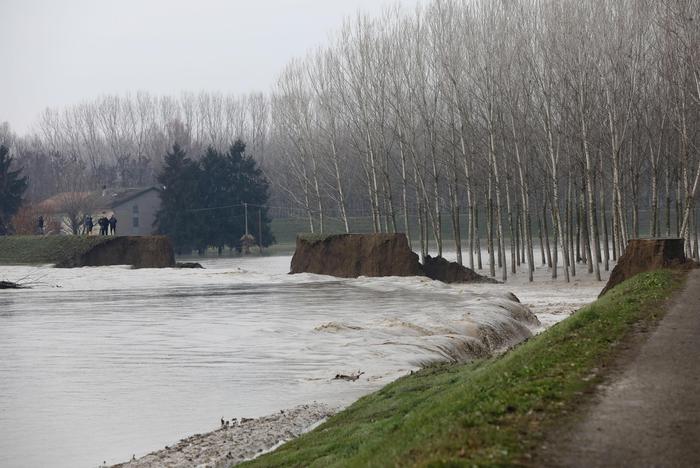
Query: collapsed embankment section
x,y
79,251
140,252
438,268
353,255
642,255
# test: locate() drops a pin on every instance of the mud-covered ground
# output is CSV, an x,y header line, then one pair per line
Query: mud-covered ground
x,y
235,441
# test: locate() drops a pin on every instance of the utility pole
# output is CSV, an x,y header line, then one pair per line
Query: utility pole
x,y
260,228
245,205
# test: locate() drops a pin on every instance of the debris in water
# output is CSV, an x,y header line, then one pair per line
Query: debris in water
x,y
188,265
349,378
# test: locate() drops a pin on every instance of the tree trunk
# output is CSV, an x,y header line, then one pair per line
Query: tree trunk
x,y
437,224
569,226
307,203
546,237
404,194
454,207
514,254
590,188
466,161
654,197
421,220
572,238
606,243
587,235
539,229
667,193
696,254
489,229
477,238
454,198
525,200
339,187
517,227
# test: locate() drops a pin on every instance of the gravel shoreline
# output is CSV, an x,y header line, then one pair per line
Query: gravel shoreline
x,y
236,441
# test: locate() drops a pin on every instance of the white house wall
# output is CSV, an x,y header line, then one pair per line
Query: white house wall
x,y
148,205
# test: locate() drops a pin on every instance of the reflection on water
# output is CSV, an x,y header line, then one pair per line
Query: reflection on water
x,y
102,363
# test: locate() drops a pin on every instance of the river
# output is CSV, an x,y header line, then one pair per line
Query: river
x,y
97,364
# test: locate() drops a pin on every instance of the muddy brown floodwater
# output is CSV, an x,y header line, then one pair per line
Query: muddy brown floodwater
x,y
99,364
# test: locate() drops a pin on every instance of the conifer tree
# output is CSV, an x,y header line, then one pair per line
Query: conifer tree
x,y
204,203
179,179
12,187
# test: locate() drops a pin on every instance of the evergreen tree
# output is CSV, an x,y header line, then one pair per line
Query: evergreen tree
x,y
203,204
12,187
252,188
179,178
218,192
229,181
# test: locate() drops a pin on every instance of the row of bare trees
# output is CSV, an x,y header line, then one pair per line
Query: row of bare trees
x,y
575,119
121,140
560,126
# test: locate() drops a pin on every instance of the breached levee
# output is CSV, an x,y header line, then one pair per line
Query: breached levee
x,y
439,269
643,255
374,255
481,330
353,255
80,251
484,328
137,251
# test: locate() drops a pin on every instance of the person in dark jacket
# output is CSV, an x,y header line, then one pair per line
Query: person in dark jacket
x,y
88,225
113,225
103,222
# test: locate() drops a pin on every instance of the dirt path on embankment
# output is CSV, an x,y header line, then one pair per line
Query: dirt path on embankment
x,y
648,412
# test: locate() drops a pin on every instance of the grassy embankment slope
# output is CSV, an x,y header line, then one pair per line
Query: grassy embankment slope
x,y
492,412
45,249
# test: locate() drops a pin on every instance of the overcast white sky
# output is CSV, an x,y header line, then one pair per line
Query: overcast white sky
x,y
59,52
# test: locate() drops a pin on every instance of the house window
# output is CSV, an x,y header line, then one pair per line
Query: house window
x,y
135,216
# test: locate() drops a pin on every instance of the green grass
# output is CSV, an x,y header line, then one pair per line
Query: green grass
x,y
285,230
492,412
45,249
316,238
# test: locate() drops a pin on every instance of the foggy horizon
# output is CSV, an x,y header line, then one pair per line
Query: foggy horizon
x,y
65,53
437,232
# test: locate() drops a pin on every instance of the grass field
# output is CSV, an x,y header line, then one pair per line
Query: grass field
x,y
488,413
285,230
45,249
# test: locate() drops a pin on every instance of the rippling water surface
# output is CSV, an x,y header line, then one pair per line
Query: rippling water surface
x,y
97,364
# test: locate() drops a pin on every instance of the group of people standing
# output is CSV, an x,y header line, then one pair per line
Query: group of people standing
x,y
108,226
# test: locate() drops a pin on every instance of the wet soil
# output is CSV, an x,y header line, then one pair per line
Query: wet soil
x,y
646,255
353,255
137,251
236,440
